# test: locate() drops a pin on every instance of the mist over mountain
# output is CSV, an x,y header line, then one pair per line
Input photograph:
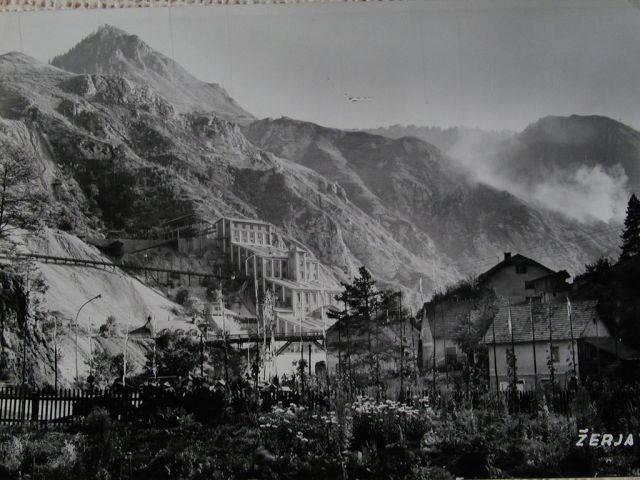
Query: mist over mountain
x,y
412,181
120,146
587,166
584,167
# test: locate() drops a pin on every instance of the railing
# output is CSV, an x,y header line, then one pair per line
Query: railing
x,y
87,262
251,337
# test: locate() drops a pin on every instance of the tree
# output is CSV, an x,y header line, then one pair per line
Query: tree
x,y
358,319
106,368
21,200
363,300
176,355
108,328
631,233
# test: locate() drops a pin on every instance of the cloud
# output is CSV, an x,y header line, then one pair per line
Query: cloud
x,y
585,193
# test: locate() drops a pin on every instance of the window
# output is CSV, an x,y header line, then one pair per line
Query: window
x,y
244,237
236,235
528,285
520,269
555,354
450,355
251,227
253,237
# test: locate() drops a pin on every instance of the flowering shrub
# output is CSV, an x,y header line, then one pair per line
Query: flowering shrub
x,y
380,424
303,441
295,430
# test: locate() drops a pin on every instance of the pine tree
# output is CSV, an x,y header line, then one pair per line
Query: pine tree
x,y
631,233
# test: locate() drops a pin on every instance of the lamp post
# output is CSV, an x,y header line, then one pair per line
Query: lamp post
x,y
76,326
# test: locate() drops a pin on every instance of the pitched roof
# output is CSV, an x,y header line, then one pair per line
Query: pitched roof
x,y
582,314
562,274
445,317
516,259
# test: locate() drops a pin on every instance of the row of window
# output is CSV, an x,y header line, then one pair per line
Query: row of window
x,y
257,238
250,226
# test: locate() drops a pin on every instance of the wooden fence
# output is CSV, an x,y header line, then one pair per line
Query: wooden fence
x,y
20,405
66,406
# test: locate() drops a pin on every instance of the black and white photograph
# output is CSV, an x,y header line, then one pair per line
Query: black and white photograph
x,y
298,241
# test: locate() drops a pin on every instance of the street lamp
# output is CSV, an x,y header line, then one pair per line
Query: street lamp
x,y
76,326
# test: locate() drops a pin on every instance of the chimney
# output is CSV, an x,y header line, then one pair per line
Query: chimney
x,y
507,255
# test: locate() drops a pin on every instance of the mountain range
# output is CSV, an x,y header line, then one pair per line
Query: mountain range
x,y
125,138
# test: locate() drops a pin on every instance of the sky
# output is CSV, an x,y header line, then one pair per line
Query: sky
x,y
486,63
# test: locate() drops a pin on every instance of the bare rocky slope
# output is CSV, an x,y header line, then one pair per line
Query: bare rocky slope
x,y
417,193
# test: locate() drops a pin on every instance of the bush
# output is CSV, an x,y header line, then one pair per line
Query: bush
x,y
182,296
98,424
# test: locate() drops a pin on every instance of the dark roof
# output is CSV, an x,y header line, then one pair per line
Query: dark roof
x,y
583,312
516,259
444,317
562,274
145,330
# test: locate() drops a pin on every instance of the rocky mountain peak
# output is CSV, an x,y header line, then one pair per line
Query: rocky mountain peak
x,y
111,51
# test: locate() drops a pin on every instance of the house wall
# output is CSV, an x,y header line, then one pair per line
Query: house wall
x,y
441,346
507,283
524,358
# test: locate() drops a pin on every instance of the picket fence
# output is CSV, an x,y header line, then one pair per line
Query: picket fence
x,y
20,405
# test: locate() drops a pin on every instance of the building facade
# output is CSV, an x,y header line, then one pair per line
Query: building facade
x,y
519,278
543,333
290,272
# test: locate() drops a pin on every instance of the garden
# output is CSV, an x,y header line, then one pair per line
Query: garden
x,y
362,438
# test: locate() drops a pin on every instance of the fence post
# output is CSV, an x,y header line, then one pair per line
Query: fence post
x,y
35,405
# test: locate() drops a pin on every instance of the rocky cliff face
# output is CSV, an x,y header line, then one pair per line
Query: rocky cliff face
x,y
418,193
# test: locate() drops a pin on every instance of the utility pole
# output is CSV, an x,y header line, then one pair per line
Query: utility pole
x,y
495,357
124,356
533,339
433,337
24,327
401,350
224,331
201,355
55,352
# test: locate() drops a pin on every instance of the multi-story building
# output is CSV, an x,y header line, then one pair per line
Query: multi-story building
x,y
292,273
